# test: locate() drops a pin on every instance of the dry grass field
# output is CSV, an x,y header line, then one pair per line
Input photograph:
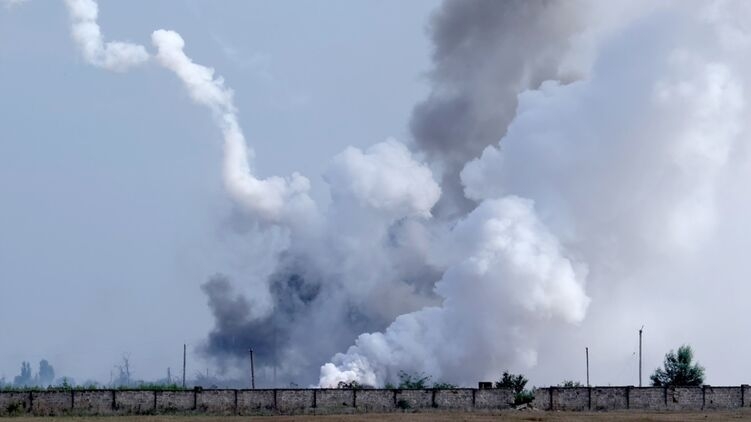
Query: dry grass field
x,y
430,417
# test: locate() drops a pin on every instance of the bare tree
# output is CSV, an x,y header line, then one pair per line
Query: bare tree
x,y
124,377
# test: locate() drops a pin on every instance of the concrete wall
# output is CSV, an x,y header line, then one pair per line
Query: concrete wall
x,y
414,399
570,398
643,398
12,404
722,397
609,398
455,399
94,402
334,401
295,401
255,402
652,398
217,402
494,398
174,401
303,401
375,400
51,403
134,402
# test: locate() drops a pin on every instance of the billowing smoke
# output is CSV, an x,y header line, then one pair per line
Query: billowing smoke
x,y
502,265
113,55
485,53
627,165
582,148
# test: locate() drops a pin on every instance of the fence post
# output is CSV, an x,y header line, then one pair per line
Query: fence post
x,y
628,397
550,393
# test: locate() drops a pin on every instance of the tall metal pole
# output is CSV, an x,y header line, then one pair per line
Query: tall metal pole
x,y
276,362
252,372
640,330
185,349
586,349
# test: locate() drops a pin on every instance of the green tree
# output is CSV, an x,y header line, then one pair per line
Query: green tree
x,y
25,379
46,374
517,384
570,383
678,370
413,381
444,386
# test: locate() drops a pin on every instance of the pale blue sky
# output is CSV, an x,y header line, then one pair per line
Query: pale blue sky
x,y
112,211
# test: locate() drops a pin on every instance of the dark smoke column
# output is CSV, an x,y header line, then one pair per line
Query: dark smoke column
x,y
485,53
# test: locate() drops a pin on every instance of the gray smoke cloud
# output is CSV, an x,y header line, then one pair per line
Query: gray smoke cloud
x,y
485,54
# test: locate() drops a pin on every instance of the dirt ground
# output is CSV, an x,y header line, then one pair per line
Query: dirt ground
x,y
429,417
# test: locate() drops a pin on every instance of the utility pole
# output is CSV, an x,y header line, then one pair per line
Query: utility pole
x,y
276,362
640,330
185,352
586,349
252,372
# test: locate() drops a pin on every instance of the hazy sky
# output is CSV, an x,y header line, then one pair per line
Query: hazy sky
x,y
570,171
111,206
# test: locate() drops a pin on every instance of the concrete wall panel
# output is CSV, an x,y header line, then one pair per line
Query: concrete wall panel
x,y
216,402
51,403
571,398
94,402
685,398
254,402
494,398
333,400
454,399
175,401
652,398
134,402
14,403
414,399
294,401
722,397
609,398
375,400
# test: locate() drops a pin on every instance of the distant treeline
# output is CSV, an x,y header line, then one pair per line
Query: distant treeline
x,y
121,378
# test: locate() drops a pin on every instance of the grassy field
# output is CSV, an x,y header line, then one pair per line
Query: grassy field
x,y
430,416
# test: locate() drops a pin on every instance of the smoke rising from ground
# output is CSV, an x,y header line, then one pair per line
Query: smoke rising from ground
x,y
581,148
625,165
502,265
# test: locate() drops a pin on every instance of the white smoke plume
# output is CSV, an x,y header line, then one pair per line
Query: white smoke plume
x,y
113,55
385,178
584,149
502,265
273,199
